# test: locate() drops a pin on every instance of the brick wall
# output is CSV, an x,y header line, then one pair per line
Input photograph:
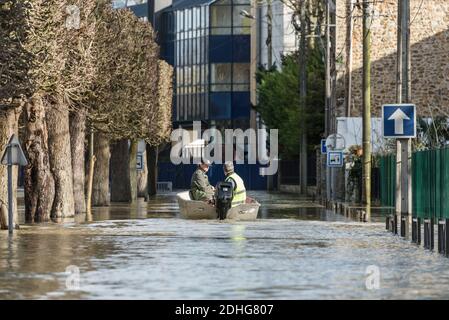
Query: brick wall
x,y
429,54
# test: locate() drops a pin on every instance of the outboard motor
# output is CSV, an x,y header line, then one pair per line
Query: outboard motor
x,y
223,198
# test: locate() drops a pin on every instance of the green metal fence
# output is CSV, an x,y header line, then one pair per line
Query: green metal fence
x,y
430,182
387,165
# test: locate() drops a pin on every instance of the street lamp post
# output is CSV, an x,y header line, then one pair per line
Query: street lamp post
x,y
268,42
13,155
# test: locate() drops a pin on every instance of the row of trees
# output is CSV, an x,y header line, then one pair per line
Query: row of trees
x,y
69,68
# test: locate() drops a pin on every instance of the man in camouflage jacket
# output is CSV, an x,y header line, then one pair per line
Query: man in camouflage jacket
x,y
200,188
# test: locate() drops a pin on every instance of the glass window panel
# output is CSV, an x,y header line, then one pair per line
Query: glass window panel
x,y
181,20
118,4
203,74
221,73
187,76
188,14
240,87
221,31
242,30
198,76
178,77
193,51
241,73
220,87
242,24
240,20
223,2
180,52
221,16
194,74
135,2
195,18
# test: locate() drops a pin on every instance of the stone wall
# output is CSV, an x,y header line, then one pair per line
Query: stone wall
x,y
429,55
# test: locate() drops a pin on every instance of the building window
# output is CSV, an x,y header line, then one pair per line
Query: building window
x,y
135,2
116,4
221,76
240,76
221,19
242,25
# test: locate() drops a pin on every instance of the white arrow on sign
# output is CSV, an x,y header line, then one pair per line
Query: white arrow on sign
x,y
398,116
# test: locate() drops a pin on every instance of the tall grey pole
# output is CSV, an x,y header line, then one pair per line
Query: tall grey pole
x,y
403,146
10,195
270,62
366,187
302,97
270,34
327,116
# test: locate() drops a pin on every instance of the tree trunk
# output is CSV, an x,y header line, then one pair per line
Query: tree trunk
x,y
60,159
8,126
120,174
39,184
123,171
152,157
133,169
142,178
100,192
90,178
77,138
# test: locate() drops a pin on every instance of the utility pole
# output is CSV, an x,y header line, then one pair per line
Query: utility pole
x,y
349,31
269,43
367,103
403,146
327,107
302,98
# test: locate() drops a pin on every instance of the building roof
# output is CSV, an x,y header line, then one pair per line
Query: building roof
x,y
184,4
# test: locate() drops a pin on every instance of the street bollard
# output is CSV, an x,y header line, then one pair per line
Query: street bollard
x,y
428,234
404,221
416,230
441,233
446,237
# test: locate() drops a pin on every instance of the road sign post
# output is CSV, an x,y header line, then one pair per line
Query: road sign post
x,y
13,155
399,122
323,146
335,144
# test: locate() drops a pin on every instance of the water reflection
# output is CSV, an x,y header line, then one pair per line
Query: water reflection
x,y
144,250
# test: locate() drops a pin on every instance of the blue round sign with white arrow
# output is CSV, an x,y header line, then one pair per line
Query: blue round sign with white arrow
x,y
399,120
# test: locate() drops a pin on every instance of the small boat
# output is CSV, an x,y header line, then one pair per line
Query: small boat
x,y
192,209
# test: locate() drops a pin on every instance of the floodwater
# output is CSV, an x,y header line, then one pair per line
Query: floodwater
x,y
296,250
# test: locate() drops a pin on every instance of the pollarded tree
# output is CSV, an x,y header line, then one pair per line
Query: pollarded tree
x,y
76,83
161,120
15,85
60,39
124,101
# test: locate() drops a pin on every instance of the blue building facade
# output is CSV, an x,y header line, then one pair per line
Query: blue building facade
x,y
144,9
208,44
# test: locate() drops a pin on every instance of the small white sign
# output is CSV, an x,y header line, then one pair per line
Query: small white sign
x,y
139,162
335,159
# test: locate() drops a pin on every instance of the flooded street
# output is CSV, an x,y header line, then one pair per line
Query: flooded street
x,y
295,250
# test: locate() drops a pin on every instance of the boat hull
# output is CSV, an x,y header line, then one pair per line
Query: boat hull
x,y
192,209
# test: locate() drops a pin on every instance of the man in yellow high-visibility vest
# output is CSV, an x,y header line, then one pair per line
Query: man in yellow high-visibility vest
x,y
239,194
